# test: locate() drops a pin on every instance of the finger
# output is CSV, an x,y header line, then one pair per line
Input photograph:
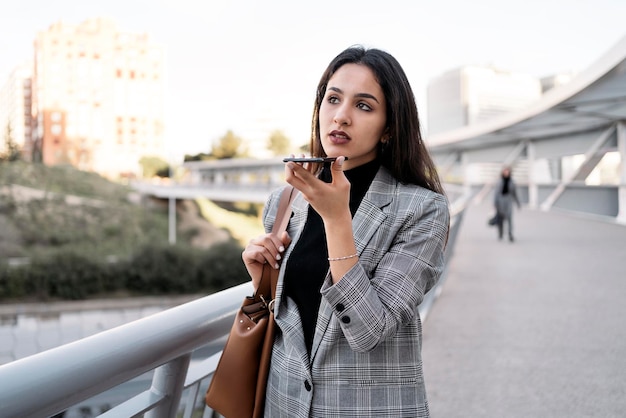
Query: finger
x,y
260,255
264,249
337,170
298,169
253,254
297,176
337,165
286,239
273,253
279,246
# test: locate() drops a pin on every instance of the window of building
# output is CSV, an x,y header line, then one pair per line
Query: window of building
x,y
56,129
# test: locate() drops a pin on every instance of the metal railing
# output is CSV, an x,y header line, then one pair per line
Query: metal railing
x,y
50,382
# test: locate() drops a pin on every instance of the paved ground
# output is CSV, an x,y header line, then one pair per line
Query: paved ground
x,y
534,328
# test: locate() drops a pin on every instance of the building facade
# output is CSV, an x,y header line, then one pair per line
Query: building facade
x,y
15,109
471,94
99,97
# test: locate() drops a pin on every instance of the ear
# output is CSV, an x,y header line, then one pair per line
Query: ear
x,y
386,137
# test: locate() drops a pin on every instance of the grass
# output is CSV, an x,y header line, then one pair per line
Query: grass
x,y
47,209
61,207
62,179
242,227
69,225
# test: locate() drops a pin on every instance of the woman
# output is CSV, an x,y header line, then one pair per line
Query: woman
x,y
504,197
364,244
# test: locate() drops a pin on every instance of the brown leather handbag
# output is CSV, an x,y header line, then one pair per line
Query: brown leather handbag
x,y
237,389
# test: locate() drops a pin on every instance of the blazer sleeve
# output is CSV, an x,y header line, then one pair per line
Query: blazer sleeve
x,y
378,296
270,208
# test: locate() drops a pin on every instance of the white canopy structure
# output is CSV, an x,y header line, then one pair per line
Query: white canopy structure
x,y
584,118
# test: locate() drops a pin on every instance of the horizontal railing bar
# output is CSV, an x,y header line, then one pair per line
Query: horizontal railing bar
x,y
202,369
135,406
95,364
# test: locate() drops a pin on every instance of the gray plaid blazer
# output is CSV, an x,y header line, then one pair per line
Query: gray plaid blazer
x,y
366,355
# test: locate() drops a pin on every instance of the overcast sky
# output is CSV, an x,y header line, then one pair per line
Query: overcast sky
x,y
252,66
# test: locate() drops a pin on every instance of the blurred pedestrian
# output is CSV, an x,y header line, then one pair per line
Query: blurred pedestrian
x,y
505,195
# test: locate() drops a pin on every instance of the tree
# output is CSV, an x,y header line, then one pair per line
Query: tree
x,y
278,143
154,166
197,157
12,151
229,146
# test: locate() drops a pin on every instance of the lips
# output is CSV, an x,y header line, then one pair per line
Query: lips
x,y
339,137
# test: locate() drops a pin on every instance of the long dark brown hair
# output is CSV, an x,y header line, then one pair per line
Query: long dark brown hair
x,y
405,154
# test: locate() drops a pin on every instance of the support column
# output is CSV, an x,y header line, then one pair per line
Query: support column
x,y
465,166
589,155
172,220
621,188
169,381
533,191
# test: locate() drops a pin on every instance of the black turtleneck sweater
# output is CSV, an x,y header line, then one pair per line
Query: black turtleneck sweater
x,y
308,264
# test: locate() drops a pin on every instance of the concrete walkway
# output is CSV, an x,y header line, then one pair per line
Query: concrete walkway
x,y
534,328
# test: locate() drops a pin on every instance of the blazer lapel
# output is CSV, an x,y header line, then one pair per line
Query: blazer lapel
x,y
299,208
288,318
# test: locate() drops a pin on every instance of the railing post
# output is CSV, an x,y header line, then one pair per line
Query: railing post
x,y
533,190
169,380
621,188
172,220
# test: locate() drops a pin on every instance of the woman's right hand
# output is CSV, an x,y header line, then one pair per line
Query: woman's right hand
x,y
266,249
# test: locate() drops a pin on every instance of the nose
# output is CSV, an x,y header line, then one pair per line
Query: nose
x,y
342,116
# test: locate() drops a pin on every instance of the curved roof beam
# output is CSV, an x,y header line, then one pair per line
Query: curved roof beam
x,y
595,98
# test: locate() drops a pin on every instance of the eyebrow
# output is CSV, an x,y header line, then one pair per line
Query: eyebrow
x,y
363,95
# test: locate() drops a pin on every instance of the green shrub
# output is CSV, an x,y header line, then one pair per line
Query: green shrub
x,y
153,270
11,282
222,267
162,270
66,275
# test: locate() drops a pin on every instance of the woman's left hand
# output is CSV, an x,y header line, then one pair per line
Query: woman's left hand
x,y
330,200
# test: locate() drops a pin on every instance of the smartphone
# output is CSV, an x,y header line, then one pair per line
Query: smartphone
x,y
310,159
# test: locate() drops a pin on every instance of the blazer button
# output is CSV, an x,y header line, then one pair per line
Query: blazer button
x,y
307,385
345,319
340,307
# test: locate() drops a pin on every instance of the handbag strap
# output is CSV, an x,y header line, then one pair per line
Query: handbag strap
x,y
269,278
284,210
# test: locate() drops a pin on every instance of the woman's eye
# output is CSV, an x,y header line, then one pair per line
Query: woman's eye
x,y
364,106
333,99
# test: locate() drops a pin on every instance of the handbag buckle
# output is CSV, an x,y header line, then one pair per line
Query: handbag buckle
x,y
269,305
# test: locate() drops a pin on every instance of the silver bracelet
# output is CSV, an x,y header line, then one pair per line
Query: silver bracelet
x,y
343,258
